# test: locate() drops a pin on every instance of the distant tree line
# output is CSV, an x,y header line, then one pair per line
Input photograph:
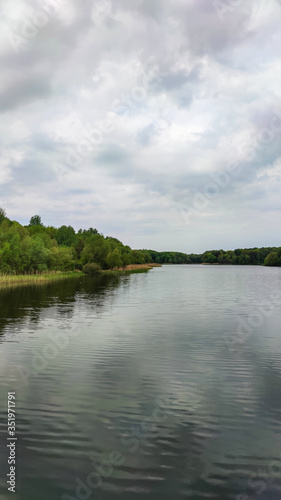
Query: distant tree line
x,y
268,256
172,257
38,248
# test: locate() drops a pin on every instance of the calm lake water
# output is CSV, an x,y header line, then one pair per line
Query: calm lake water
x,y
164,385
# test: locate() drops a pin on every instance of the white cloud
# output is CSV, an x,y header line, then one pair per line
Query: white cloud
x,y
184,91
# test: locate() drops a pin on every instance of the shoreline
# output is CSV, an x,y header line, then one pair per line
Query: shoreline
x,y
133,268
39,279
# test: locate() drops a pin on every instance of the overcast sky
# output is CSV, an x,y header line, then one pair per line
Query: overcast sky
x,y
155,121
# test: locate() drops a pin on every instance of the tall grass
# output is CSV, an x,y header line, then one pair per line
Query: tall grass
x,y
37,277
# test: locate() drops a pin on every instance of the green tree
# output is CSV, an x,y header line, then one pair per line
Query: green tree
x,y
66,236
126,259
244,259
96,250
2,215
114,259
230,257
272,259
138,257
209,258
38,254
35,221
51,231
221,257
61,259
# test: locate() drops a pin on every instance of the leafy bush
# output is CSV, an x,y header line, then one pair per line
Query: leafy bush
x,y
91,268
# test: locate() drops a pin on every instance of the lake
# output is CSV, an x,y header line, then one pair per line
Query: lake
x,y
162,385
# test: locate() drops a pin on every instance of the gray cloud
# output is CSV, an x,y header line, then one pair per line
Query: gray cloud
x,y
23,92
173,91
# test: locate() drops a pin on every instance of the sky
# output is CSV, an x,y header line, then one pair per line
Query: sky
x,y
155,121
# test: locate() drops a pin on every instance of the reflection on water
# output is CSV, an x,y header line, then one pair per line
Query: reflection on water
x,y
126,386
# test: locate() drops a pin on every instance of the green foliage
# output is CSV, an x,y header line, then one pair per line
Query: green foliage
x,y
228,257
244,258
209,258
51,231
86,232
92,268
2,215
95,249
126,258
61,259
38,254
35,221
36,248
272,259
138,257
240,256
114,259
168,257
66,236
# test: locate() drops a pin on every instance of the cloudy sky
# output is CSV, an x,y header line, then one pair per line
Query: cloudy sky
x,y
155,121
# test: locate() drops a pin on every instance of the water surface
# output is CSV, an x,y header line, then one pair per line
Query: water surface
x,y
164,385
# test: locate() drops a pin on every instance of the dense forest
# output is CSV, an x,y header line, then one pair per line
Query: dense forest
x,y
37,248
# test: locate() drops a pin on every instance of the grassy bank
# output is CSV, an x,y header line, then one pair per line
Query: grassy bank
x,y
38,279
34,279
133,268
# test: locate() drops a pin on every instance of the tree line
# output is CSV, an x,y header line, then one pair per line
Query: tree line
x,y
37,248
268,256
